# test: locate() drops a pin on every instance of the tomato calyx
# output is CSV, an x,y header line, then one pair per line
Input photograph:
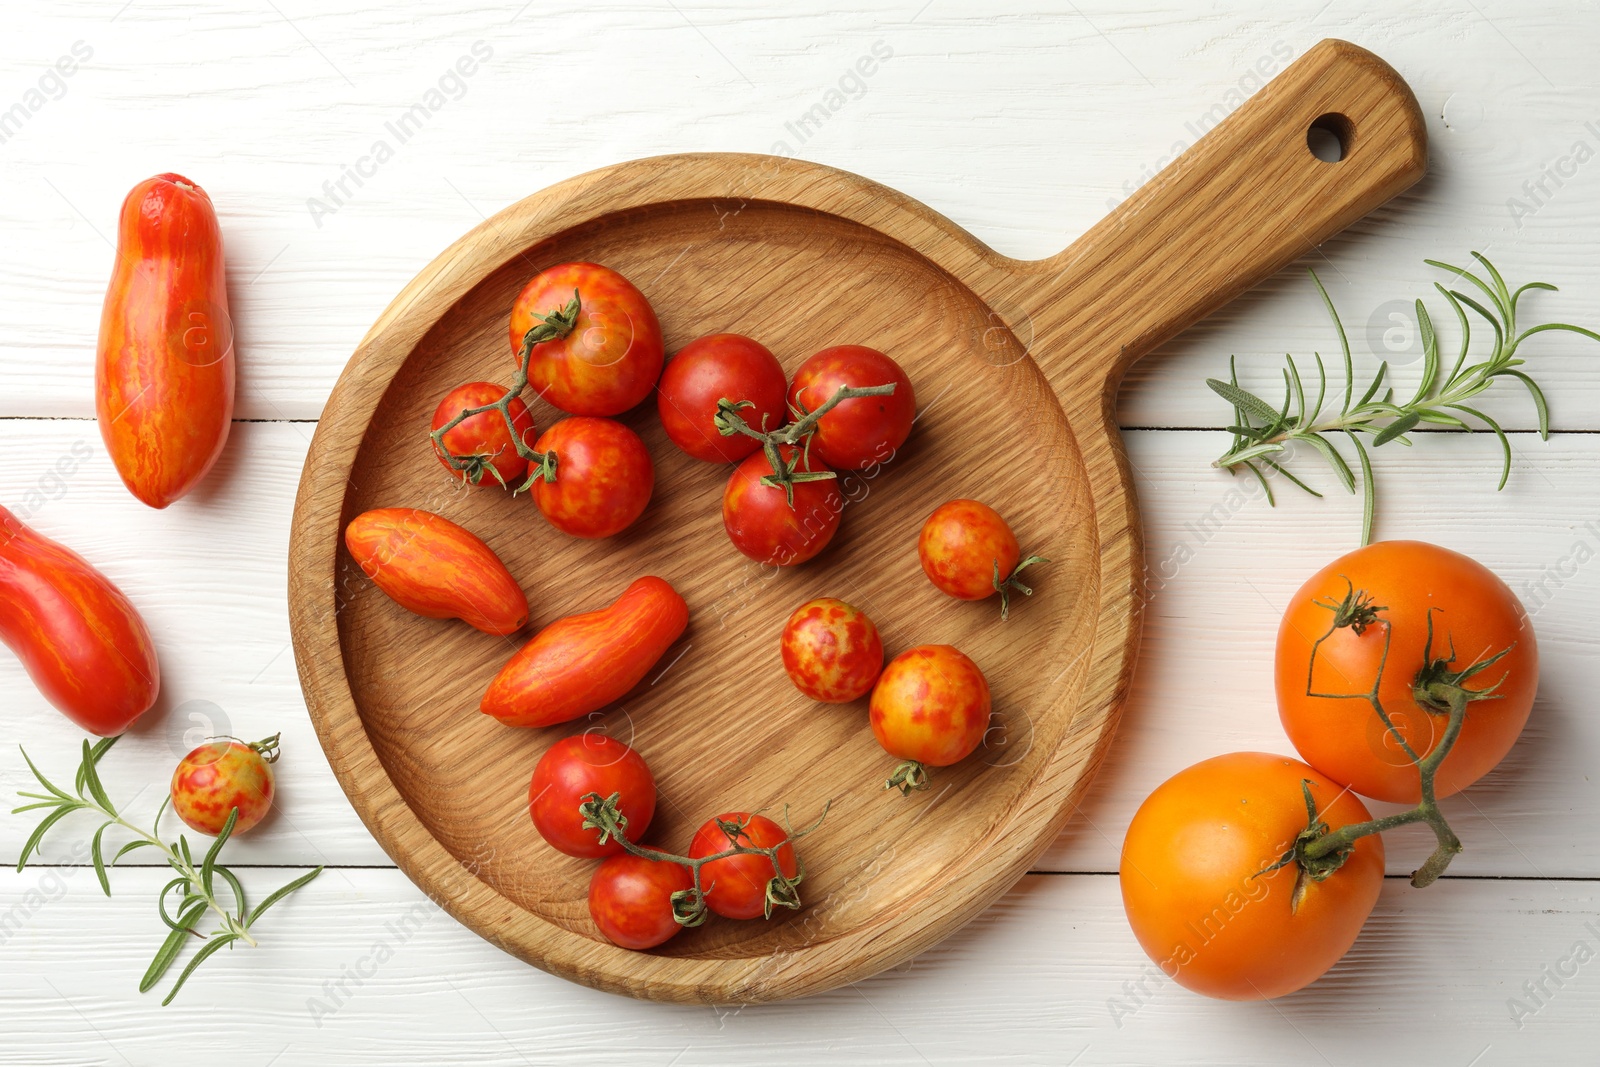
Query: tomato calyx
x,y
1436,687
1309,868
911,776
689,905
266,748
1356,610
786,472
1005,586
552,326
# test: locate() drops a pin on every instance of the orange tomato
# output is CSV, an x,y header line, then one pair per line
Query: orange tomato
x,y
1200,897
429,565
609,358
1472,610
831,651
79,638
583,662
164,370
219,776
931,705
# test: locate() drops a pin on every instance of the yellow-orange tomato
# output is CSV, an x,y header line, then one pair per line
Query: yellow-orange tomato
x,y
1198,893
605,360
429,565
963,546
931,705
831,651
222,775
1472,611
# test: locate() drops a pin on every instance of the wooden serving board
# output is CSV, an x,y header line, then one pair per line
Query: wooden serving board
x,y
1015,365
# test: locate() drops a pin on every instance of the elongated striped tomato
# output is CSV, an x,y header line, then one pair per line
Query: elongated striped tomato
x,y
164,367
583,662
429,565
82,642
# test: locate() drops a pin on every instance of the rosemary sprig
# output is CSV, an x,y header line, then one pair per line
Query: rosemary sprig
x,y
1264,435
197,881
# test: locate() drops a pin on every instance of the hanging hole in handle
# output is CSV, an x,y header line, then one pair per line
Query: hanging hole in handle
x,y
1329,137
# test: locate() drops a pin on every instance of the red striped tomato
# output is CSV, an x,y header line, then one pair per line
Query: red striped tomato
x,y
429,565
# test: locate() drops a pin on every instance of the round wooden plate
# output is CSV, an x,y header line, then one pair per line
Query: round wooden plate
x,y
1015,367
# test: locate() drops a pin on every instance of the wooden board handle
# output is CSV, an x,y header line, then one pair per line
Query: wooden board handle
x,y
1246,200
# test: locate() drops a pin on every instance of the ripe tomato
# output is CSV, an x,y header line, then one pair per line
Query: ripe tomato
x,y
164,374
736,887
930,706
1472,611
602,362
576,766
583,662
483,440
707,370
78,637
763,526
968,551
604,477
630,900
429,565
1200,897
222,775
831,651
863,431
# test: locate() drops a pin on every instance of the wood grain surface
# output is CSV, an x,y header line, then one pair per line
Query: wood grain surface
x,y
801,257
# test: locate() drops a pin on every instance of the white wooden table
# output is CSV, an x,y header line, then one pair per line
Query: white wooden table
x,y
1023,127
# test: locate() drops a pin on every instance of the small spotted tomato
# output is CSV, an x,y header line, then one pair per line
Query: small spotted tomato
x,y
831,651
221,775
930,708
969,552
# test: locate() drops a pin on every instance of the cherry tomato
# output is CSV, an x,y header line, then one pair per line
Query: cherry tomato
x,y
710,369
630,900
583,662
736,887
483,440
604,477
222,775
574,767
78,637
164,373
605,360
1472,612
831,651
1198,890
930,706
866,430
429,565
761,523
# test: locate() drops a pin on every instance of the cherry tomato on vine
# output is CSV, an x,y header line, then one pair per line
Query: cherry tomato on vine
x,y
1473,613
736,887
80,640
222,775
762,524
969,552
930,706
1201,890
831,651
862,431
710,369
604,355
604,477
579,765
630,900
483,441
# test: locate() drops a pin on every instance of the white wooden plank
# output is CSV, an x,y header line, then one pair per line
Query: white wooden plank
x,y
361,969
1025,152
209,576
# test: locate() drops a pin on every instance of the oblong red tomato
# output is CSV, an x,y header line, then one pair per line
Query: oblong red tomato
x,y
608,358
867,429
604,477
763,525
164,373
429,565
583,662
707,370
79,638
483,441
